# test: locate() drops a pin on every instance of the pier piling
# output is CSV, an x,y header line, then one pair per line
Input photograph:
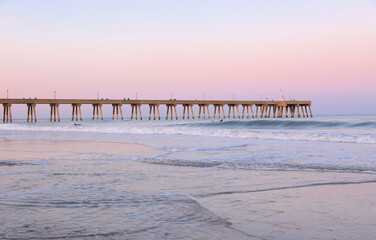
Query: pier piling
x,y
233,106
262,111
310,111
116,108
247,106
169,109
152,109
97,108
218,107
136,107
292,111
204,108
305,107
76,110
186,109
54,112
7,113
286,112
31,112
301,107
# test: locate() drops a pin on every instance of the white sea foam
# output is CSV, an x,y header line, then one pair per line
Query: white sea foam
x,y
274,134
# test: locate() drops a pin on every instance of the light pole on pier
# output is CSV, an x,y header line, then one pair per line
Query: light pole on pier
x,y
280,92
54,94
7,93
97,94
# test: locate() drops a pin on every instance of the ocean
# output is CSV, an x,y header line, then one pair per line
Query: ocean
x,y
311,178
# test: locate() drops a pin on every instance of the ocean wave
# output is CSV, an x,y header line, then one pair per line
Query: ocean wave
x,y
11,163
317,184
208,132
272,134
261,165
286,124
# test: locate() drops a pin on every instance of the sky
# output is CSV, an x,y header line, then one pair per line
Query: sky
x,y
322,50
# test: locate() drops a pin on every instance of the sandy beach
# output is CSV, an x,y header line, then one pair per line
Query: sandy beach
x,y
66,186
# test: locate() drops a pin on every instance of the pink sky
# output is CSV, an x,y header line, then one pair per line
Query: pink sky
x,y
329,59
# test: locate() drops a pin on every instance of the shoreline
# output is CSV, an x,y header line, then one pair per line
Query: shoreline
x,y
313,212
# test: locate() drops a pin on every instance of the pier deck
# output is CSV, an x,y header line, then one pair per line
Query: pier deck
x,y
263,109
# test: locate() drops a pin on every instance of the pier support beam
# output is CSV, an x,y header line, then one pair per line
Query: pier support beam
x,y
269,111
97,107
297,108
115,109
286,112
7,113
169,109
54,112
280,112
218,107
152,109
233,106
136,107
263,111
302,108
292,110
306,111
203,106
31,112
76,109
186,109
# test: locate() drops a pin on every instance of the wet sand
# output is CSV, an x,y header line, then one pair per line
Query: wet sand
x,y
81,190
315,212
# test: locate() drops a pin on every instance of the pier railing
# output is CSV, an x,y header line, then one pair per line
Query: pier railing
x,y
262,109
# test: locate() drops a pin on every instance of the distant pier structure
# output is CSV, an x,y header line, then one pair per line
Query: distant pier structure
x,y
249,109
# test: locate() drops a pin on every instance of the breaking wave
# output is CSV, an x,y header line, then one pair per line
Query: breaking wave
x,y
248,164
298,130
288,124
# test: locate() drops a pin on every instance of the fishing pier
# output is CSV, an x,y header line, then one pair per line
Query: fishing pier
x,y
249,109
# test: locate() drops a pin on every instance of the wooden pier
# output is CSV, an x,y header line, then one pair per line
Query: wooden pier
x,y
262,109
